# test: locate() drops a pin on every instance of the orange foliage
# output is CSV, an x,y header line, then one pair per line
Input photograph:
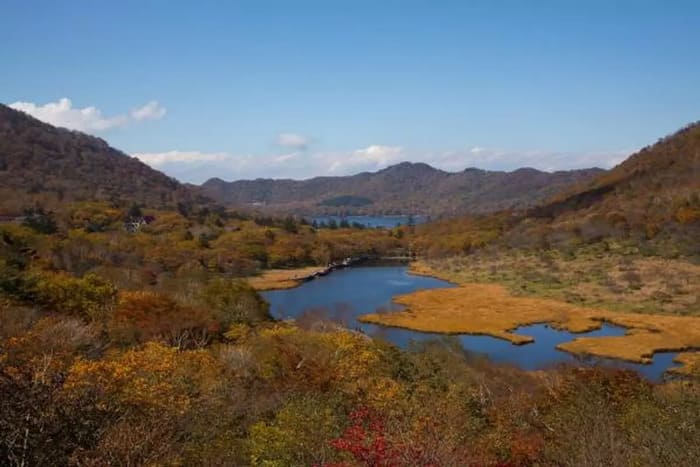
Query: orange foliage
x,y
143,316
688,215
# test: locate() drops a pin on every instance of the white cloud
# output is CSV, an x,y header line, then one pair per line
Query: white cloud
x,y
183,157
88,119
151,111
292,140
286,157
197,166
370,158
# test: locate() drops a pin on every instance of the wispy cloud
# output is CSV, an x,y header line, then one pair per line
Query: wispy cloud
x,y
372,157
151,111
182,157
293,140
197,166
87,119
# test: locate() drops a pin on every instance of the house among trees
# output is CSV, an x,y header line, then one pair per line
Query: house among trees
x,y
135,224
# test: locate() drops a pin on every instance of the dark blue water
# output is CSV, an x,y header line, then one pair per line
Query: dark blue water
x,y
348,293
387,222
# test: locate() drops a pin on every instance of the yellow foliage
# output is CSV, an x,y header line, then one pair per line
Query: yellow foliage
x,y
48,348
94,215
154,379
238,331
167,221
342,359
457,236
298,435
89,296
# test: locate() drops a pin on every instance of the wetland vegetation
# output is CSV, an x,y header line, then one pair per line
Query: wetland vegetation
x,y
490,309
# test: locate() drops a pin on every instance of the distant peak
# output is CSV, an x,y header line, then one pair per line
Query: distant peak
x,y
406,165
215,180
526,170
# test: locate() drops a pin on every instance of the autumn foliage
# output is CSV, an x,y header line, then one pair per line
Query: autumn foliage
x,y
365,440
150,348
144,316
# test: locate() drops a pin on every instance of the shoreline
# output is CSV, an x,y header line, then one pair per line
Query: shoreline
x,y
645,335
281,279
489,309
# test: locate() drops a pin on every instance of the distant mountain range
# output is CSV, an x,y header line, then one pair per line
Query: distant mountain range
x,y
407,187
40,163
653,194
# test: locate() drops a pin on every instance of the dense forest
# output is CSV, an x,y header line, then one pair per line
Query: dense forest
x,y
49,165
131,334
399,189
143,347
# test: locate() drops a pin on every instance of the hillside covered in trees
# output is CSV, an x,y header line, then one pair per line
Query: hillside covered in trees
x,y
414,188
653,196
651,200
42,164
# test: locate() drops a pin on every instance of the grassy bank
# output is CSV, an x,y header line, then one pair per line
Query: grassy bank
x,y
616,278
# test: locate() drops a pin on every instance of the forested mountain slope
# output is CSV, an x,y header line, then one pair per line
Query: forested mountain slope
x,y
402,188
40,163
654,194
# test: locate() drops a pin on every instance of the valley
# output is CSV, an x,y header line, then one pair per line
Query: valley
x,y
230,334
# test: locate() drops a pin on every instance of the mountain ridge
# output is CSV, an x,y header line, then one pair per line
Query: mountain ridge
x,y
403,187
40,163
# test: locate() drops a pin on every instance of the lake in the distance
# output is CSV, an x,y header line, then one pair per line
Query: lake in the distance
x,y
373,222
348,293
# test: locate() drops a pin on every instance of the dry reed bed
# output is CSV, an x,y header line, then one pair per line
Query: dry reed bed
x,y
273,279
690,363
489,309
614,281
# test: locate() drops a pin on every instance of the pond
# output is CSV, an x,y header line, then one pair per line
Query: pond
x,y
345,294
387,222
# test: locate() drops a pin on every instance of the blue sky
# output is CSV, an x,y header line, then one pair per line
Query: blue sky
x,y
299,88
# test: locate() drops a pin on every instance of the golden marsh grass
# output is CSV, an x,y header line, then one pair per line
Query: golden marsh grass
x,y
690,363
490,309
273,279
